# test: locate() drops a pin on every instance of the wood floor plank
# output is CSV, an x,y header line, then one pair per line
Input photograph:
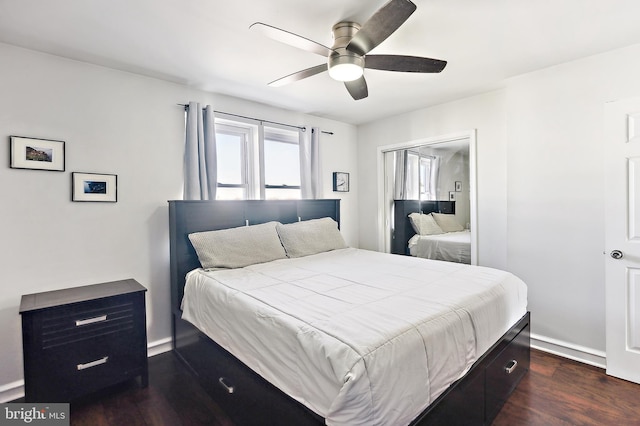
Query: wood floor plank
x,y
155,408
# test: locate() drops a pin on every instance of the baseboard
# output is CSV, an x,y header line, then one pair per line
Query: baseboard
x,y
159,346
569,350
15,390
12,391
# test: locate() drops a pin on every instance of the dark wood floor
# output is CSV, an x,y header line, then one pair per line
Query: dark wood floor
x,y
558,391
555,392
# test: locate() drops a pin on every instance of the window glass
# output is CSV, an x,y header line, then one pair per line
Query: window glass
x,y
282,194
226,193
243,173
281,163
425,179
230,167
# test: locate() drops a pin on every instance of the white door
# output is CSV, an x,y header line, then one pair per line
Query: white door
x,y
622,237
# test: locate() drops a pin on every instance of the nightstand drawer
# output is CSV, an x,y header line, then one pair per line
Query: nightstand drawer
x,y
96,363
84,321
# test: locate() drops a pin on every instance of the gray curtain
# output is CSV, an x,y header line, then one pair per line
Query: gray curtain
x,y
310,184
400,187
200,168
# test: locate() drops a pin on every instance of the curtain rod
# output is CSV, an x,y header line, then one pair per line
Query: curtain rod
x,y
186,107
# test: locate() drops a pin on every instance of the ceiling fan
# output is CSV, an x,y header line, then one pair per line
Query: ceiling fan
x,y
348,57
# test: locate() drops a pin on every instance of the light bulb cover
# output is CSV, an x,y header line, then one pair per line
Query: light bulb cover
x,y
346,67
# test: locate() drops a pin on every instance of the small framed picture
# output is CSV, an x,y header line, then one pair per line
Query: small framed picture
x,y
340,182
452,196
458,186
36,154
94,187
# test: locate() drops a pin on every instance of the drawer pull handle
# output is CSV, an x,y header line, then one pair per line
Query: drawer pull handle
x,y
511,366
228,388
93,363
91,320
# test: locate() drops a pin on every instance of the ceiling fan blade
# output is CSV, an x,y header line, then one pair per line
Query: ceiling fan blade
x,y
357,88
299,75
381,25
403,63
291,39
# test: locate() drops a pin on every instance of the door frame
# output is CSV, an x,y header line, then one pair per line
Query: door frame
x,y
384,223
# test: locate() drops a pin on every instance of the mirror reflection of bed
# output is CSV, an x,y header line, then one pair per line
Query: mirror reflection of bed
x,y
429,200
429,229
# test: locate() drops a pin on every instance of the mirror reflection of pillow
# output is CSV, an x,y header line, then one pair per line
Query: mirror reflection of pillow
x,y
447,222
310,237
424,224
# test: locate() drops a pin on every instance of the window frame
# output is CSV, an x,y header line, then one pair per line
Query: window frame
x,y
253,155
279,134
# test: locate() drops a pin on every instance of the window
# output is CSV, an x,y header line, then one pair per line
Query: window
x,y
232,145
256,161
426,181
281,164
420,182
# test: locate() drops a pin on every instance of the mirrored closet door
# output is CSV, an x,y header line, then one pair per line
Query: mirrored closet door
x,y
429,200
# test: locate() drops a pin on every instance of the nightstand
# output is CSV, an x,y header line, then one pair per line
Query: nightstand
x,y
80,340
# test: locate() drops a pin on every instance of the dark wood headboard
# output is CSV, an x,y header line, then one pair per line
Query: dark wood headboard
x,y
186,217
403,231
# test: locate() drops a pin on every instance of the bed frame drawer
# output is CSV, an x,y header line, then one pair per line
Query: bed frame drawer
x,y
247,398
504,373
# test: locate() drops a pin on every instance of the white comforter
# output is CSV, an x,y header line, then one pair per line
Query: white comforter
x,y
359,337
451,246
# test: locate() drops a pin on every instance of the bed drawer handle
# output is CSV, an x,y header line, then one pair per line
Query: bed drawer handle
x,y
511,366
227,387
91,320
93,363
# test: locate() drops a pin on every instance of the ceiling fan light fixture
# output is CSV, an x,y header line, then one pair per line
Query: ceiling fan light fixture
x,y
346,67
345,72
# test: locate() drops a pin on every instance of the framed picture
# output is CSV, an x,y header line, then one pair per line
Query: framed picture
x,y
36,154
452,196
340,182
458,186
94,187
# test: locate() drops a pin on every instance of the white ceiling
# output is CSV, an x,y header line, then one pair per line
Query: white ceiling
x,y
207,44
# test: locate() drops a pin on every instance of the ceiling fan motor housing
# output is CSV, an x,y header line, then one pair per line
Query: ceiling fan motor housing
x,y
343,64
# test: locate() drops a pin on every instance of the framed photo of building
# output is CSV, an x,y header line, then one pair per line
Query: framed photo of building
x,y
36,154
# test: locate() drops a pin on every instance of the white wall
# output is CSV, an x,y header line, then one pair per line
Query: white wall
x,y
112,122
556,190
540,186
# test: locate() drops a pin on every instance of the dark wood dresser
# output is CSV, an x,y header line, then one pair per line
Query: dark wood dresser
x,y
80,340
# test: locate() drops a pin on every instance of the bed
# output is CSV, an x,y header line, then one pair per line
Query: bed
x,y
452,246
452,243
478,388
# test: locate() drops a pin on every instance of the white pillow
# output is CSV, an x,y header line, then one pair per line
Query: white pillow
x,y
447,222
424,224
238,247
310,237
